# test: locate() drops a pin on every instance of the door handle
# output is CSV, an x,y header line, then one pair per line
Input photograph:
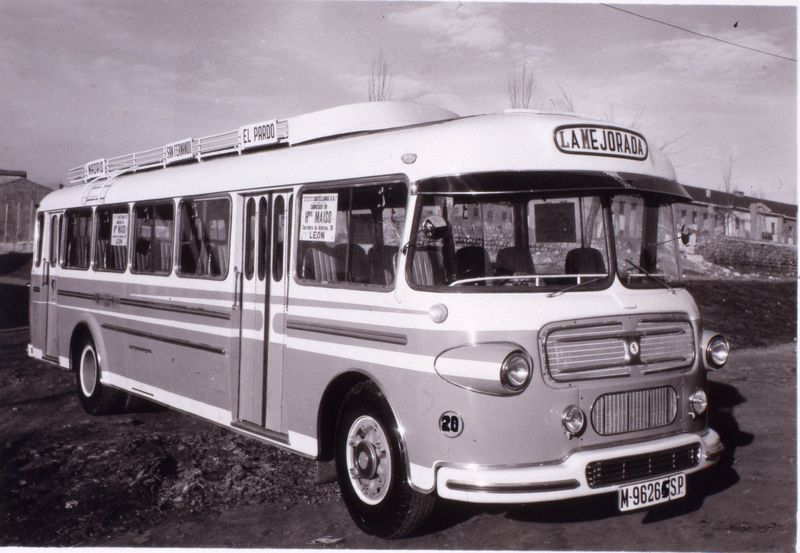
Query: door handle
x,y
236,279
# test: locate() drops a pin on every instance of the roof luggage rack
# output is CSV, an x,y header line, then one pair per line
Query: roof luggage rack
x,y
272,133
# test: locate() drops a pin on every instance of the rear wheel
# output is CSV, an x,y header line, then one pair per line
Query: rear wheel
x,y
371,470
95,398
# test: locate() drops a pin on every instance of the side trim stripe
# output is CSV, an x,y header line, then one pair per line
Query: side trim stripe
x,y
176,308
347,332
73,294
162,306
176,341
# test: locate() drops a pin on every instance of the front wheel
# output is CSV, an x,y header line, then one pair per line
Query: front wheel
x,y
371,470
95,398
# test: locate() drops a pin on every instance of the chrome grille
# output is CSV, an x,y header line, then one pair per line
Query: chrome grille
x,y
635,410
637,467
582,350
666,342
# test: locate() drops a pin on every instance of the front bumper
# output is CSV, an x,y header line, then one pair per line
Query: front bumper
x,y
568,479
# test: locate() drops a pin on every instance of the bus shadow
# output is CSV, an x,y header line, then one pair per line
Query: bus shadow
x,y
723,398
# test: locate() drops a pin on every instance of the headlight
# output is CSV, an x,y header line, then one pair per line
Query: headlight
x,y
717,351
698,402
515,372
573,420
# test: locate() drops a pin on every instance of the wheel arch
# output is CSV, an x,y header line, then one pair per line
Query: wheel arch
x,y
331,403
83,330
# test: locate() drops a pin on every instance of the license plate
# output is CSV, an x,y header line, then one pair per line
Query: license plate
x,y
651,492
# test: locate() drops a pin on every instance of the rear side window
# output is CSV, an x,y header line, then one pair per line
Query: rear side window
x,y
351,235
111,243
204,238
153,231
39,237
78,240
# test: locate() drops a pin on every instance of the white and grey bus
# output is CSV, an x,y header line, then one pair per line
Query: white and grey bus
x,y
486,309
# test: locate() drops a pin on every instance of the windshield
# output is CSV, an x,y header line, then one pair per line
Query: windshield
x,y
646,241
507,242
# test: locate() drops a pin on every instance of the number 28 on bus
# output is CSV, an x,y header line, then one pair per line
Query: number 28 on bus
x,y
486,309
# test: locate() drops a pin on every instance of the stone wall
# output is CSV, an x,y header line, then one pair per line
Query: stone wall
x,y
747,256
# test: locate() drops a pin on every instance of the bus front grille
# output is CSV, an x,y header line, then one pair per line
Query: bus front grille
x,y
634,410
636,467
588,349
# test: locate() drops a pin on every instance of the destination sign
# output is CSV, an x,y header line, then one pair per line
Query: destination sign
x,y
96,168
119,229
178,151
264,133
599,140
318,217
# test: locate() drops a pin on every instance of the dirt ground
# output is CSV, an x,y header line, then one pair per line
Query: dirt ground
x,y
153,477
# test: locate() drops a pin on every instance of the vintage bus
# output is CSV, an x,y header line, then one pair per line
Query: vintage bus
x,y
486,309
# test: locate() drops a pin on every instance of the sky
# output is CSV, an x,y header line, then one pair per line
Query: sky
x,y
81,80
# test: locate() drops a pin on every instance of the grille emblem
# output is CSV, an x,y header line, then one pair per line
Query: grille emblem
x,y
633,347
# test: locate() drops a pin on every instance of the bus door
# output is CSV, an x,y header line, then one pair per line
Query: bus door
x,y
263,297
49,289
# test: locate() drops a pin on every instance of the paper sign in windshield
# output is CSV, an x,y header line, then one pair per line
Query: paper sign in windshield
x,y
119,229
600,141
318,217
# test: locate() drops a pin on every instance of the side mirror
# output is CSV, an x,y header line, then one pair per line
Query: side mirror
x,y
434,227
686,232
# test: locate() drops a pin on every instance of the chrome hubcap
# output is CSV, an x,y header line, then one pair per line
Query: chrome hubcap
x,y
369,459
88,371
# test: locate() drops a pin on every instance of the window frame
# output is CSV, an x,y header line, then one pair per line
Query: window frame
x,y
132,236
41,217
63,239
179,229
96,233
293,212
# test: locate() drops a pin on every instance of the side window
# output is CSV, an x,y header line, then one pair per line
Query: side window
x,y
350,235
153,231
39,237
204,238
249,239
111,242
55,239
263,226
78,242
278,223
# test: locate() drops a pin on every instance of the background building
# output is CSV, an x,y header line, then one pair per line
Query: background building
x,y
18,200
713,213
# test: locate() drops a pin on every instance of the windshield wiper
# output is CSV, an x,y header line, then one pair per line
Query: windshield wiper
x,y
651,276
574,286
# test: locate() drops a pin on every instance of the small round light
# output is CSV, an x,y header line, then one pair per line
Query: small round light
x,y
515,372
573,420
438,313
408,158
699,402
717,351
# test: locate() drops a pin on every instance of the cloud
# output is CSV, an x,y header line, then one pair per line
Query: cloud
x,y
455,25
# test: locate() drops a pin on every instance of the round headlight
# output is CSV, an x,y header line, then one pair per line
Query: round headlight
x,y
699,402
573,420
515,372
717,351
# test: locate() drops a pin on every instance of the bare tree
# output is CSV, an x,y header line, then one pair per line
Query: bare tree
x,y
379,86
563,102
727,187
520,88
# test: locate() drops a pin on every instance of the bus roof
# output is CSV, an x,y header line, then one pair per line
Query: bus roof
x,y
388,138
